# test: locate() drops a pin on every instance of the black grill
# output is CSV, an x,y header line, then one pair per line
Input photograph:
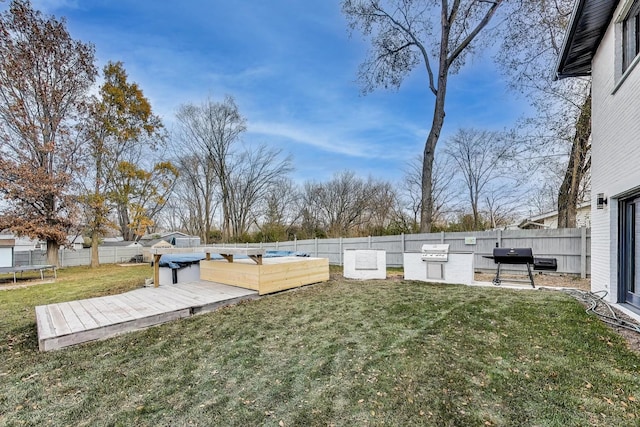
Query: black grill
x,y
513,255
549,264
522,256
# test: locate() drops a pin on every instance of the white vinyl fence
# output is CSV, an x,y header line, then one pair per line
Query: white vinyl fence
x,y
570,246
70,258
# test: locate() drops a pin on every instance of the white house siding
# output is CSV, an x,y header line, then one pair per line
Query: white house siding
x,y
615,157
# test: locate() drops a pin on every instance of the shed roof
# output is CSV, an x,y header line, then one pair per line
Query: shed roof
x,y
7,243
588,24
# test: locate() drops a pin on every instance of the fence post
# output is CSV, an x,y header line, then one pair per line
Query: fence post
x,y
402,243
442,237
340,249
369,242
295,242
499,237
316,244
583,252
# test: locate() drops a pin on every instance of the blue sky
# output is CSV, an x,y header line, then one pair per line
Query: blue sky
x,y
291,66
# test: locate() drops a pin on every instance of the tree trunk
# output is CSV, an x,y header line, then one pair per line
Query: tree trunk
x,y
569,192
95,255
426,212
52,252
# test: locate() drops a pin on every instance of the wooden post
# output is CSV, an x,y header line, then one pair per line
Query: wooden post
x,y
583,252
156,270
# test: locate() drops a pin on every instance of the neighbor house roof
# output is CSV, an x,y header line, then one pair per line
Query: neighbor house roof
x,y
588,24
120,243
156,243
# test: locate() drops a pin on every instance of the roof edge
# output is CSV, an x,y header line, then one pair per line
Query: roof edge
x,y
568,39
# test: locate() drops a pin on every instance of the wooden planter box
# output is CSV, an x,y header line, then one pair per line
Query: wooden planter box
x,y
275,274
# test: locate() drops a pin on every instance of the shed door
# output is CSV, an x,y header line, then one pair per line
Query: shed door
x,y
6,257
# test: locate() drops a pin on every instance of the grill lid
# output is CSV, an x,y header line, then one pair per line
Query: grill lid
x,y
513,255
435,252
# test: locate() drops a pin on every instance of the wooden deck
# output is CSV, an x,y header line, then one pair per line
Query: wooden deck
x,y
74,322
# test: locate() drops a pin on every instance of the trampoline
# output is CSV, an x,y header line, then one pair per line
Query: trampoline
x,y
22,268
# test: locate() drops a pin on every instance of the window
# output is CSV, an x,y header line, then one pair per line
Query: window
x,y
631,35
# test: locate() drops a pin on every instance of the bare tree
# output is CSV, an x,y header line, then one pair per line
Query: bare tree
x,y
443,191
347,205
481,158
338,202
194,206
282,210
44,78
252,178
242,176
212,129
382,208
531,44
408,33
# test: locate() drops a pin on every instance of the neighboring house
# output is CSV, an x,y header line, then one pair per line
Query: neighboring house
x,y
550,219
75,242
152,244
25,244
604,41
176,238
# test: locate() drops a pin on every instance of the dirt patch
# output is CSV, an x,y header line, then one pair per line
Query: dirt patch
x,y
8,285
631,337
542,279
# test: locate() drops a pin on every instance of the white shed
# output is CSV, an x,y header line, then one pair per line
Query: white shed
x,y
6,252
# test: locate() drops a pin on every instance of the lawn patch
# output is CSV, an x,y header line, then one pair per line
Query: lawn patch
x,y
342,353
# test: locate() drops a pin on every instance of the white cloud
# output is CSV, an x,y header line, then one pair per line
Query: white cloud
x,y
52,6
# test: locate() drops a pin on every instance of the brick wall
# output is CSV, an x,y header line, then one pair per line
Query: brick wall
x,y
615,166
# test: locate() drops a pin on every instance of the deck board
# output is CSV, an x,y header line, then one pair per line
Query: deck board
x,y
114,312
88,322
100,318
58,321
44,325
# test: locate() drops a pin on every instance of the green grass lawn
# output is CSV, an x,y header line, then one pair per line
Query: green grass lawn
x,y
339,353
